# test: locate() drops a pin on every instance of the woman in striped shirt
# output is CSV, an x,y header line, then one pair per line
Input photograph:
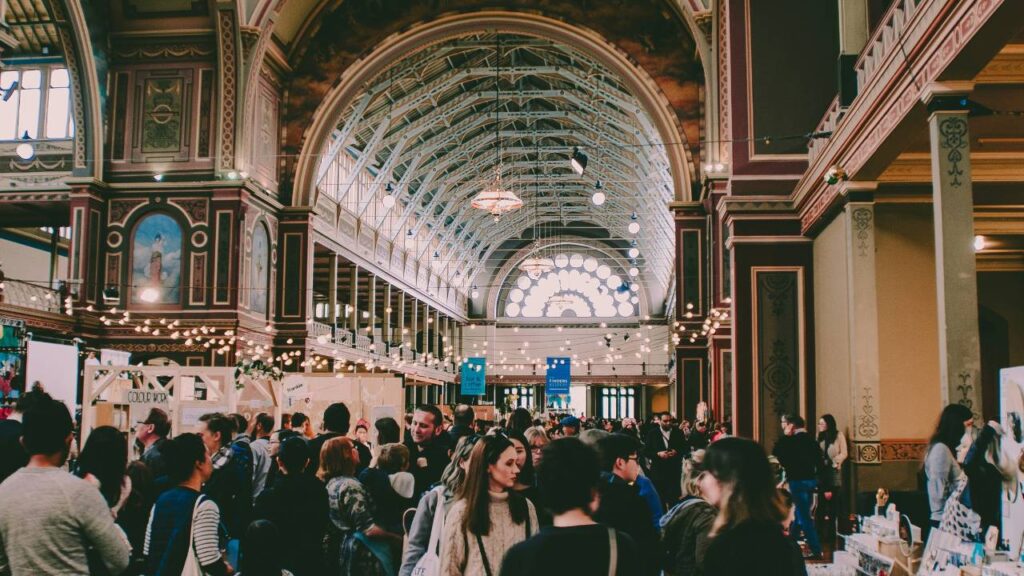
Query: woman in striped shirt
x,y
183,511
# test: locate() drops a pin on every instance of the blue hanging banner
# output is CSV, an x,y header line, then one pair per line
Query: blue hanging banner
x,y
558,376
474,377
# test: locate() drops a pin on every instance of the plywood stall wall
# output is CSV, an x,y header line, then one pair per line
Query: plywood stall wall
x,y
369,397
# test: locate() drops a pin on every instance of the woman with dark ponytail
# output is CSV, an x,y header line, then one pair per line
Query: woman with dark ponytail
x,y
941,470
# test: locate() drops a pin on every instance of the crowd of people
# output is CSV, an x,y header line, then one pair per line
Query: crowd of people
x,y
454,497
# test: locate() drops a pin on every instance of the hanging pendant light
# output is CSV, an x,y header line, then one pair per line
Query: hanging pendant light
x,y
536,266
495,198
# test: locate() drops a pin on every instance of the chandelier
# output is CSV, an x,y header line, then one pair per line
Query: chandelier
x,y
495,198
535,266
561,300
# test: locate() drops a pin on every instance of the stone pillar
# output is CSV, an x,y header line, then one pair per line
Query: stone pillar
x,y
401,320
853,36
863,319
354,302
415,328
372,325
332,290
955,266
386,328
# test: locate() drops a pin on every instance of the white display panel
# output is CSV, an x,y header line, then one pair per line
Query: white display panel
x,y
55,366
1011,403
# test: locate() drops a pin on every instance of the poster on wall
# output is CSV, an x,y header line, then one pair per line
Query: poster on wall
x,y
557,381
156,261
473,381
55,368
12,363
1011,402
260,265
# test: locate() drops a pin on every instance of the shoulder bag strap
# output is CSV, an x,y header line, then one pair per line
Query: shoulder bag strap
x,y
483,555
613,552
438,526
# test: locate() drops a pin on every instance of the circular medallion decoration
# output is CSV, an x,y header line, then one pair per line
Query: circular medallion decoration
x,y
273,255
114,239
199,239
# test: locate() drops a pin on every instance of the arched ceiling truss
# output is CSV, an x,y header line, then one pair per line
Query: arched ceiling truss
x,y
430,126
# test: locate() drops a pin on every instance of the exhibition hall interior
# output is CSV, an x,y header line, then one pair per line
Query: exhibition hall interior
x,y
713,218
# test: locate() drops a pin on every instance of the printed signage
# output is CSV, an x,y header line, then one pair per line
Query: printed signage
x,y
558,376
474,377
146,397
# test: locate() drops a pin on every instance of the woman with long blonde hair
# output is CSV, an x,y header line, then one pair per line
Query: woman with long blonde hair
x,y
747,536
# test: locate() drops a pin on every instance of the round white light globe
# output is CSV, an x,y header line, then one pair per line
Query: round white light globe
x,y
598,198
634,252
634,271
388,200
25,151
633,227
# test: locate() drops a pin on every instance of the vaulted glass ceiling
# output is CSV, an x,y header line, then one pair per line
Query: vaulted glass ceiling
x,y
426,131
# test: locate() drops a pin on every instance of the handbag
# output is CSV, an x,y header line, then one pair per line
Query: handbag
x,y
430,563
957,519
192,566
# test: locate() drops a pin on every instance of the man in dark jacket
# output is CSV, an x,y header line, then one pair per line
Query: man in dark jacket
x,y
462,418
336,422
665,446
298,505
621,506
428,449
800,456
12,453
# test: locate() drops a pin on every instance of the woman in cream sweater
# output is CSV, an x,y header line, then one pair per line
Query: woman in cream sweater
x,y
489,517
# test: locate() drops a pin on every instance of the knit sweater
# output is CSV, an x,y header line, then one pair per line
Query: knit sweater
x,y
47,520
460,552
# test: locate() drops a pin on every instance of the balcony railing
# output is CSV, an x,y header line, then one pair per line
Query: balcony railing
x,y
28,295
887,37
827,124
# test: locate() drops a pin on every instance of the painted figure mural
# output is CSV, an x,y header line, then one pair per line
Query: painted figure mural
x,y
260,265
156,261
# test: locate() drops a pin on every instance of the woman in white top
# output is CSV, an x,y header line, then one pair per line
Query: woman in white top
x,y
489,517
833,447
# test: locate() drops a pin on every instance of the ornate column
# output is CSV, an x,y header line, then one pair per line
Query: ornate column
x,y
863,327
692,307
85,274
955,265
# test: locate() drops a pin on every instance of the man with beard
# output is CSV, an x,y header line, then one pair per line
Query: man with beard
x,y
665,447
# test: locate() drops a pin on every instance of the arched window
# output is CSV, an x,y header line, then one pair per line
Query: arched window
x,y
577,286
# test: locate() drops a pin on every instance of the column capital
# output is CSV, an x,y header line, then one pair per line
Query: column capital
x,y
944,95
